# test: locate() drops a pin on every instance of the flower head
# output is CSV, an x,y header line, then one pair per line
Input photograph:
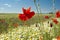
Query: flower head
x,y
58,14
58,37
46,17
55,21
26,14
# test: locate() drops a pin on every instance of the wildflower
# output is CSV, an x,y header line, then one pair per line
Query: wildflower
x,y
23,17
54,39
58,14
55,21
58,37
31,38
46,27
26,14
46,17
2,20
15,24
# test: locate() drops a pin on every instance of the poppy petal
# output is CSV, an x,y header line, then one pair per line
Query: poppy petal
x,y
28,10
26,14
30,14
23,17
24,10
55,21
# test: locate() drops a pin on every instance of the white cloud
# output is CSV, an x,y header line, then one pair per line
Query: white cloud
x,y
8,5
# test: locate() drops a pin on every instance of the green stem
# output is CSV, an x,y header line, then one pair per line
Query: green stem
x,y
36,7
39,6
37,10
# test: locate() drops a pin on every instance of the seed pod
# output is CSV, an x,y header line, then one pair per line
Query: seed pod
x,y
51,24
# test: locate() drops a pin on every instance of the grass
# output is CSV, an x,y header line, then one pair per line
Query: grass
x,y
11,28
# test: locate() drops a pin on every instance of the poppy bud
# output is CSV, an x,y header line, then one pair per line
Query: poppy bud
x,y
51,24
48,22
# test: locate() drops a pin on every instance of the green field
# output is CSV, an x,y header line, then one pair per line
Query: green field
x,y
12,28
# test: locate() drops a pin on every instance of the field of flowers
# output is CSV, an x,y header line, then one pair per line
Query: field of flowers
x,y
11,28
29,25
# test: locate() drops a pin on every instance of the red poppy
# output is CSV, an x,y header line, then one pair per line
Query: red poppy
x,y
2,20
30,14
46,17
58,37
23,17
26,11
55,21
26,14
58,14
15,24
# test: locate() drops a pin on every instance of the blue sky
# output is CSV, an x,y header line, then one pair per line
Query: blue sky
x,y
15,6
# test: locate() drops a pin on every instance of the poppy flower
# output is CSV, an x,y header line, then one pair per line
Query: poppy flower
x,y
26,11
26,14
2,20
46,17
58,14
15,24
55,21
30,14
58,37
23,17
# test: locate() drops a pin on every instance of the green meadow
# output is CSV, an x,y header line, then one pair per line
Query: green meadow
x,y
12,28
